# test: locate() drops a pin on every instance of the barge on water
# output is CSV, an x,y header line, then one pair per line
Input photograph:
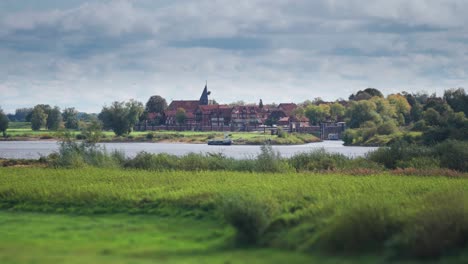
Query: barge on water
x,y
224,142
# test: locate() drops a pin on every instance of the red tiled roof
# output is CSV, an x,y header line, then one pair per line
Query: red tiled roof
x,y
188,105
246,108
207,109
152,116
172,113
287,107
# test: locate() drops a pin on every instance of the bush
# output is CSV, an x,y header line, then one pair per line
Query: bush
x,y
317,160
149,136
419,163
148,161
387,128
358,229
282,133
80,137
270,161
399,151
453,155
248,216
440,228
78,155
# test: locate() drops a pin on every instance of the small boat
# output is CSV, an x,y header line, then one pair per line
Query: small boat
x,y
225,142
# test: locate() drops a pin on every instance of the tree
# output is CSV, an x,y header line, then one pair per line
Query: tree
x,y
432,117
70,117
180,116
3,122
402,107
366,94
315,114
361,111
337,111
457,99
21,114
120,117
156,104
54,119
299,112
38,118
260,104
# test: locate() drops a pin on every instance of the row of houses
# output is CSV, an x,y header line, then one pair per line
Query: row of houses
x,y
201,115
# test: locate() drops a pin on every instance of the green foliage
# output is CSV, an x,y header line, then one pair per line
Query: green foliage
x,y
317,160
419,163
121,116
432,117
70,117
361,216
387,128
38,118
453,154
439,228
361,112
360,228
156,104
366,94
316,114
249,216
270,161
282,133
54,119
337,111
3,122
180,116
457,99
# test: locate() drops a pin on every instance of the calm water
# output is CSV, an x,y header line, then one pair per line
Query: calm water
x,y
36,149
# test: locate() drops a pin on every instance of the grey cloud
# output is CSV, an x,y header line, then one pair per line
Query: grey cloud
x,y
116,50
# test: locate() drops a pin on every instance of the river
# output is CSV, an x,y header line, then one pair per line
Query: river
x,y
36,149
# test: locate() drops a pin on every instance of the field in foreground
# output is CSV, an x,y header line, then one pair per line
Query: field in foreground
x,y
126,216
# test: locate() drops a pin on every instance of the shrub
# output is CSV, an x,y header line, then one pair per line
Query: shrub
x,y
46,136
419,163
248,216
453,154
270,161
80,137
282,133
78,155
149,136
399,151
387,128
358,229
317,160
148,161
440,228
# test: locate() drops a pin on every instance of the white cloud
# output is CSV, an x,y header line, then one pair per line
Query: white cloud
x,y
93,53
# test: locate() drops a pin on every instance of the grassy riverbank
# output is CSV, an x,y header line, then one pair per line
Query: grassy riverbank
x,y
235,217
19,133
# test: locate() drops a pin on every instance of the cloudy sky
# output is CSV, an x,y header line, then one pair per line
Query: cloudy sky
x,y
87,54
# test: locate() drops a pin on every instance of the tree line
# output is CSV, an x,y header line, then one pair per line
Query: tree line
x,y
368,114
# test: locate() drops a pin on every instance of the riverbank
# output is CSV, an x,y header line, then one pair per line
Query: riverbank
x,y
192,137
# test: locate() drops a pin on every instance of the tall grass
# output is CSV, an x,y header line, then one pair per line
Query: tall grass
x,y
382,214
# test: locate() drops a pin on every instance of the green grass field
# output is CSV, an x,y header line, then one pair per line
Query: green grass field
x,y
127,216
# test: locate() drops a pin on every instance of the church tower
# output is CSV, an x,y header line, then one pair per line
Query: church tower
x,y
204,96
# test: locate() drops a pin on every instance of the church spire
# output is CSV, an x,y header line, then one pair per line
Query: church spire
x,y
204,96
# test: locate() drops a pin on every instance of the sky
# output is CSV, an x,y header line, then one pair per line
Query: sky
x,y
87,54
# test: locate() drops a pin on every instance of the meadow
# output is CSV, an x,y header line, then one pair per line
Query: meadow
x,y
108,215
